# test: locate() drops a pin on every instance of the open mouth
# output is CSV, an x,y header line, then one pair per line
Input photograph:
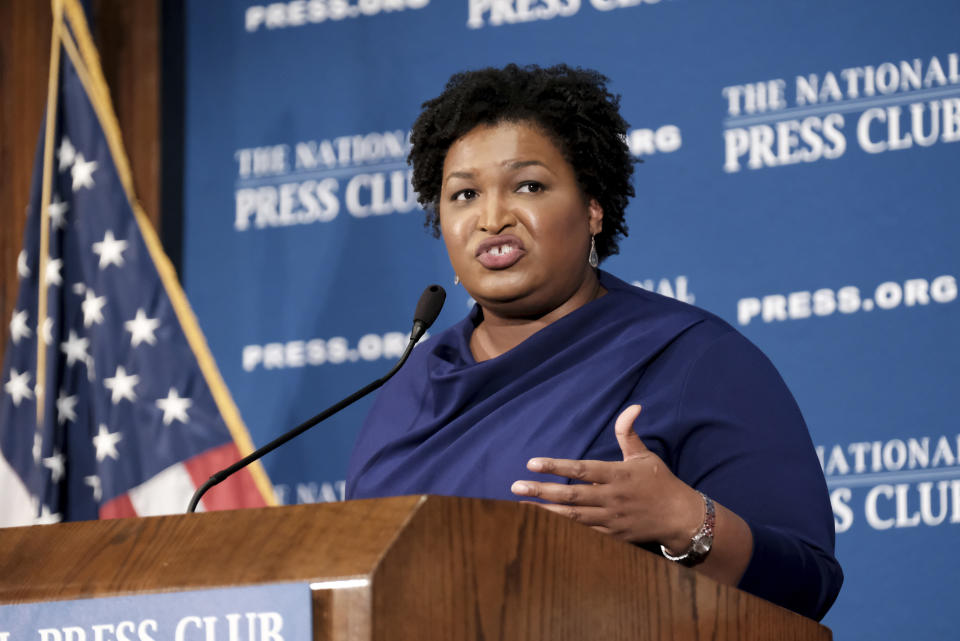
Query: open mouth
x,y
500,252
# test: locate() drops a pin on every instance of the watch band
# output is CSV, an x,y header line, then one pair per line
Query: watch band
x,y
702,541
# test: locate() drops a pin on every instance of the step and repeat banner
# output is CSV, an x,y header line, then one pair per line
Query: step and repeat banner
x,y
801,179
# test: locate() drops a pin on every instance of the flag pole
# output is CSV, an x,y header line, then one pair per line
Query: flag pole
x,y
48,140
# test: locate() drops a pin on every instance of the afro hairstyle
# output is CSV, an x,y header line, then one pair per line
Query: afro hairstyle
x,y
572,106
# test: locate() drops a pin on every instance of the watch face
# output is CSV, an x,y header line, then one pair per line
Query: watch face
x,y
701,547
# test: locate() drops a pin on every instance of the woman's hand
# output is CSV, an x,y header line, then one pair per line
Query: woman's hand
x,y
637,499
640,500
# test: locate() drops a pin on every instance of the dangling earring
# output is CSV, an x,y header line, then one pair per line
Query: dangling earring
x,y
456,279
594,260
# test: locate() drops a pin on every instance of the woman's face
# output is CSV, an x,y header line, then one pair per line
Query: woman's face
x,y
516,225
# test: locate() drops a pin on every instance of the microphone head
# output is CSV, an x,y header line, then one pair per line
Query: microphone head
x,y
429,306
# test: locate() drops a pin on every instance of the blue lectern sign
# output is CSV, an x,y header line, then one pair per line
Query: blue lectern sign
x,y
253,613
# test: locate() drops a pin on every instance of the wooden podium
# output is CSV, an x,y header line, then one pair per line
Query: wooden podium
x,y
413,567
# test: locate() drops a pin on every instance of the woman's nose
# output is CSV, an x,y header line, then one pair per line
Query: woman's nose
x,y
496,215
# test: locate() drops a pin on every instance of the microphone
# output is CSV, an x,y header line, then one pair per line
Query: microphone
x,y
428,308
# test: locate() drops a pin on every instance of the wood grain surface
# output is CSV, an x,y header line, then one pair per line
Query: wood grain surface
x,y
239,547
496,570
435,568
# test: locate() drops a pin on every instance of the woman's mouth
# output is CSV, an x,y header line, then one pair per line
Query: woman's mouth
x,y
500,252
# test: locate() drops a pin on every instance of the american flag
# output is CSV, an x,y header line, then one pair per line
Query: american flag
x,y
128,413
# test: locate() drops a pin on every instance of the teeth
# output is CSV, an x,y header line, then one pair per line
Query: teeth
x,y
501,250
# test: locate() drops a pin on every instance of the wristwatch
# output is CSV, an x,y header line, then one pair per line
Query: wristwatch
x,y
702,541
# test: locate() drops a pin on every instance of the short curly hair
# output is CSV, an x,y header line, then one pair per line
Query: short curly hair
x,y
571,105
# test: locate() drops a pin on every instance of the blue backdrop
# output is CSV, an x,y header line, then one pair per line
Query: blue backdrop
x,y
800,180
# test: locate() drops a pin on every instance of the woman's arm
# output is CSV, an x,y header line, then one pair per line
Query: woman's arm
x,y
736,434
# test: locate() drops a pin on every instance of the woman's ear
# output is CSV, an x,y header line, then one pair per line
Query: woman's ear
x,y
595,212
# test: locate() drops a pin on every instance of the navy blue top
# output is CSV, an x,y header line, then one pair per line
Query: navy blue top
x,y
714,409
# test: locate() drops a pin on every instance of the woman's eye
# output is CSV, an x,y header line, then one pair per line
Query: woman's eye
x,y
530,187
464,194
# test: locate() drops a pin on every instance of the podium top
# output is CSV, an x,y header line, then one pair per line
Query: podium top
x,y
212,549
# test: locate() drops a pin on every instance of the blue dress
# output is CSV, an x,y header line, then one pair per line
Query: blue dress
x,y
714,409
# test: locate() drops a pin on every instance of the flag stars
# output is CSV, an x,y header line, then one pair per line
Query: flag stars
x,y
52,273
92,307
58,212
66,408
94,482
121,385
17,386
142,329
18,326
75,348
174,408
57,466
66,154
82,172
47,517
22,270
110,250
106,443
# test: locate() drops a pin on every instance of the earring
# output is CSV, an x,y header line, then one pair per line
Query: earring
x,y
456,279
594,260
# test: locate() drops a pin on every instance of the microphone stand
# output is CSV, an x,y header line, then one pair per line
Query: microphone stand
x,y
427,310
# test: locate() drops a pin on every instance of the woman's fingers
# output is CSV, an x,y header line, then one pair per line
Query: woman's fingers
x,y
630,443
586,471
576,494
596,517
632,499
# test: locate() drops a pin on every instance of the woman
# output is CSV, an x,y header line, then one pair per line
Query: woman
x,y
638,415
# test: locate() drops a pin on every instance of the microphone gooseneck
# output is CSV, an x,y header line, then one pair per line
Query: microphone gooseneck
x,y
428,308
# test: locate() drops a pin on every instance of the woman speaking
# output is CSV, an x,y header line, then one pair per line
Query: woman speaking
x,y
641,416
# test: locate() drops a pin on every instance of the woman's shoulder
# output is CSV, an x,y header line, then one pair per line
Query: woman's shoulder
x,y
642,309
